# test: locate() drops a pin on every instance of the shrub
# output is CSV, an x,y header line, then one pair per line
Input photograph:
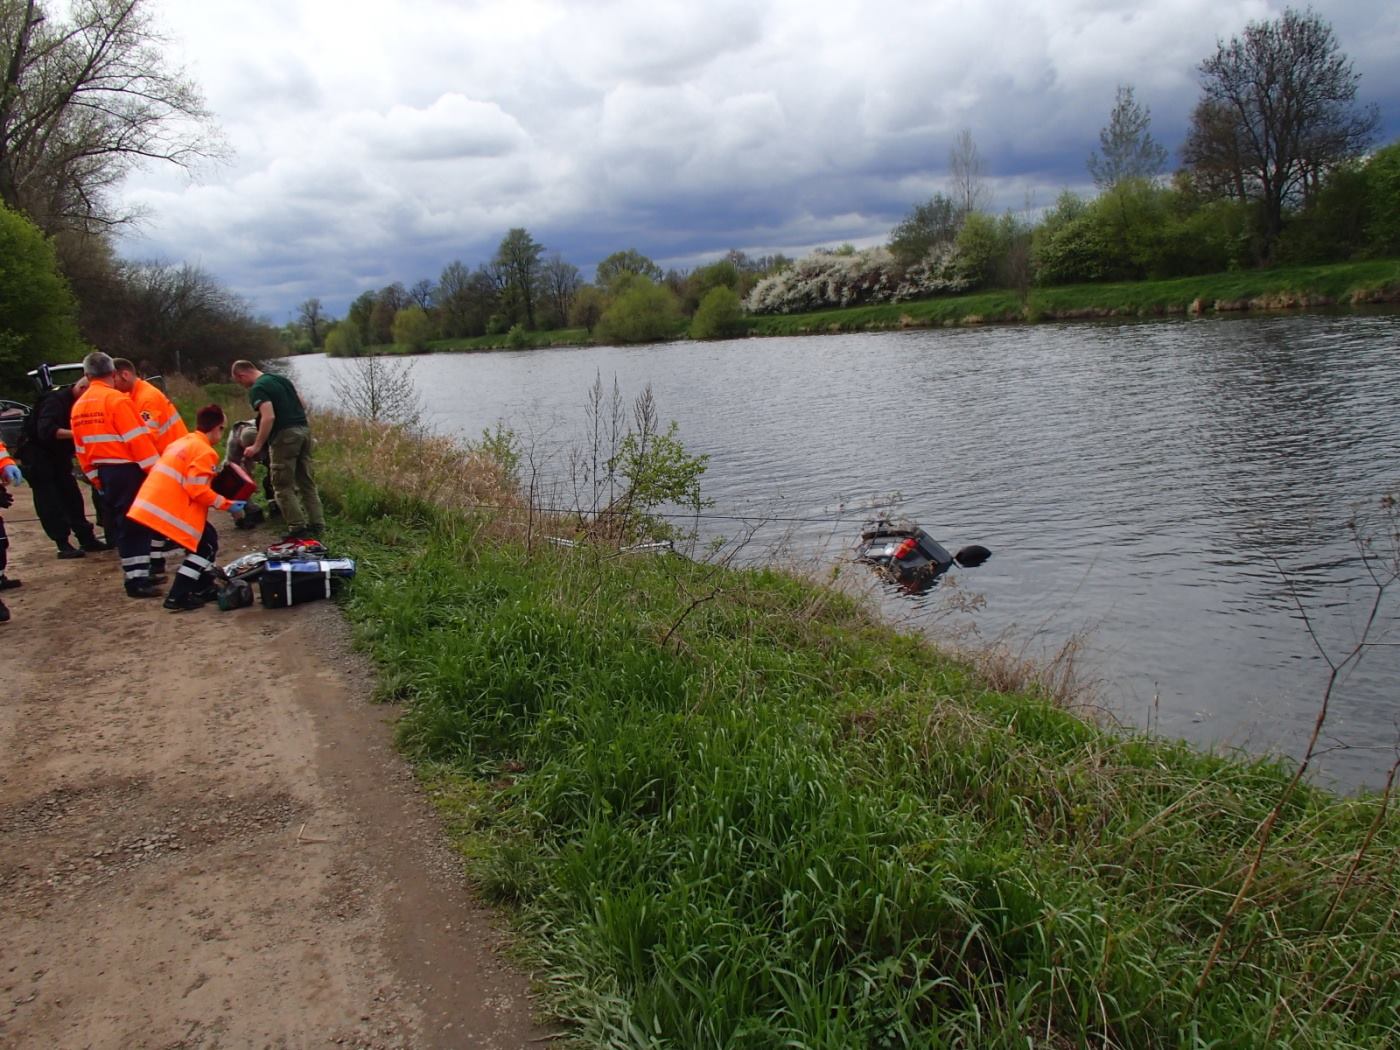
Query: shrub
x,y
413,328
344,340
37,313
720,316
517,338
642,313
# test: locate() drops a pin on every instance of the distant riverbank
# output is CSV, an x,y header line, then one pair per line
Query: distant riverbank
x,y
1354,284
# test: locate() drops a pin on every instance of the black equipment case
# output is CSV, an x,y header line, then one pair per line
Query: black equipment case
x,y
292,582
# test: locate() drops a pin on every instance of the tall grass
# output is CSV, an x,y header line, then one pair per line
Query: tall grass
x,y
765,819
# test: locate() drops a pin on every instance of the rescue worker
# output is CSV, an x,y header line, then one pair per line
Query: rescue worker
x,y
154,408
163,419
115,451
9,475
174,501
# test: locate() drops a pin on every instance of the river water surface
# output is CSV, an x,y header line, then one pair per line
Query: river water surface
x,y
1170,491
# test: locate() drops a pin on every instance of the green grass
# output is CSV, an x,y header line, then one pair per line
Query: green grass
x,y
729,809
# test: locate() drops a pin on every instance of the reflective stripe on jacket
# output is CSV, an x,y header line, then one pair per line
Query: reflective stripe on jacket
x,y
107,430
6,460
175,497
158,414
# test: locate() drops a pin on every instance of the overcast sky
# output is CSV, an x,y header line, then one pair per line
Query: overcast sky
x,y
377,142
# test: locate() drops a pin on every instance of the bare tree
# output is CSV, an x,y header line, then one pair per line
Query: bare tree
x,y
380,390
423,293
311,317
1129,150
83,102
1279,112
561,283
968,171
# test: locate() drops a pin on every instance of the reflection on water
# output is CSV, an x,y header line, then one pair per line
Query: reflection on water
x,y
1178,489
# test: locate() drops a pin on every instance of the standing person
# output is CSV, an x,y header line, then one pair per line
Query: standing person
x,y
162,419
48,460
283,430
9,475
115,451
175,499
154,408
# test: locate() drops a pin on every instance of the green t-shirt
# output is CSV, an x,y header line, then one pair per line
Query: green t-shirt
x,y
287,408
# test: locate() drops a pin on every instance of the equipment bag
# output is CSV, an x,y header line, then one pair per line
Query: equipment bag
x,y
233,482
284,583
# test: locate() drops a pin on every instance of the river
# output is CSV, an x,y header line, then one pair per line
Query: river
x,y
1170,493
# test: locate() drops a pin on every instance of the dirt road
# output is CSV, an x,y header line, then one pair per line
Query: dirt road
x,y
207,839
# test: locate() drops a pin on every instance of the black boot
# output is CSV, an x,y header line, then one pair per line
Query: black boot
x,y
4,613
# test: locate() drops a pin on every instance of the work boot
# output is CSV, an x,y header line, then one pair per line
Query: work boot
x,y
186,604
66,552
9,583
96,546
141,589
4,613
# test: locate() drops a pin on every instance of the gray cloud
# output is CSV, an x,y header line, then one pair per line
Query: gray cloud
x,y
375,146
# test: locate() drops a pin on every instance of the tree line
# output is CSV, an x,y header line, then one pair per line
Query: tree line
x,y
524,287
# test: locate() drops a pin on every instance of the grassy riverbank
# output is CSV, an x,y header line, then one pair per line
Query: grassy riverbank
x,y
730,808
1286,288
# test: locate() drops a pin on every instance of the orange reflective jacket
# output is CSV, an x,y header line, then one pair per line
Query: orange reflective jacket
x,y
175,497
158,414
5,459
107,430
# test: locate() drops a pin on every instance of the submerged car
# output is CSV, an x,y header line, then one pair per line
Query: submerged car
x,y
910,556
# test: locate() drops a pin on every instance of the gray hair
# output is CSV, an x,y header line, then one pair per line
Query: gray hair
x,y
97,364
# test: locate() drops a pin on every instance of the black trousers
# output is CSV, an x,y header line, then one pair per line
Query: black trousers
x,y
197,570
4,548
120,483
59,504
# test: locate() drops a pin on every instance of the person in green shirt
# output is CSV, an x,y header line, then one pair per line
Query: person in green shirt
x,y
285,432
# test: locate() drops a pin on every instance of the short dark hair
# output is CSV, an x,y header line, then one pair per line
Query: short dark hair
x,y
208,417
243,366
121,364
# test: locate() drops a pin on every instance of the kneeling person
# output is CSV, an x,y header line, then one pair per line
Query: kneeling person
x,y
175,501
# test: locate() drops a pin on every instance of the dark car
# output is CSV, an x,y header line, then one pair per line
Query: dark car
x,y
910,556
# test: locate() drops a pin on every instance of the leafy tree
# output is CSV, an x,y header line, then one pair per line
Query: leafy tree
x,y
719,315
932,224
1278,114
643,312
518,265
1129,150
587,307
37,313
620,264
313,320
968,172
387,303
981,248
1383,185
85,98
361,313
465,300
343,340
413,328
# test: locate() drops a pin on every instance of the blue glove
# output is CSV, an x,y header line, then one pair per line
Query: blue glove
x,y
238,506
13,476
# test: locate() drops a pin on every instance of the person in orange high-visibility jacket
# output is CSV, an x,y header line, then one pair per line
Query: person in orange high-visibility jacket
x,y
154,408
165,424
175,500
115,451
9,475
